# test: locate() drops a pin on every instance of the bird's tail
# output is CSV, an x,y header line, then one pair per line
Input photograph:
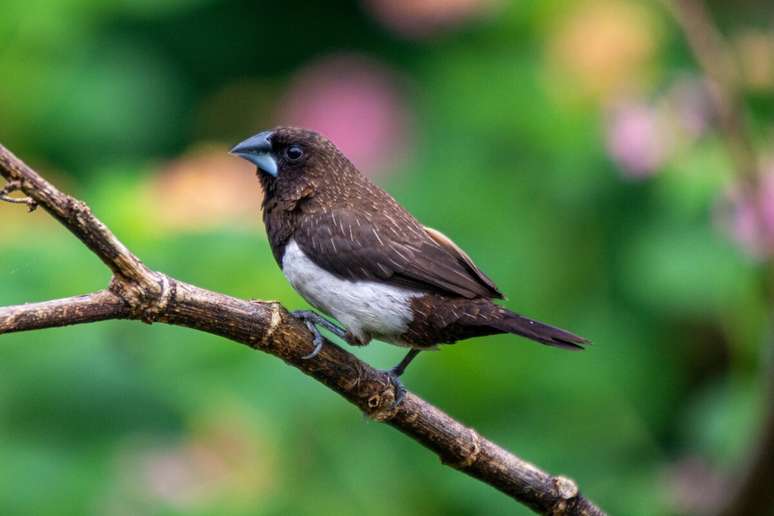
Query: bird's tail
x,y
540,332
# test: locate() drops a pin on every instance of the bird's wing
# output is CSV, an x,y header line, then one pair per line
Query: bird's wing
x,y
463,258
377,247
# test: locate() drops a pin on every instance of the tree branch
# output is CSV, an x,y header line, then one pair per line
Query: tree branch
x,y
99,306
77,217
136,292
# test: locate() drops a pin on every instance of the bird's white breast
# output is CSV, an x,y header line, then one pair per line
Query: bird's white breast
x,y
365,308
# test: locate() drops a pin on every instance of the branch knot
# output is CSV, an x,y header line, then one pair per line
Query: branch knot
x,y
274,322
568,494
466,451
380,404
148,305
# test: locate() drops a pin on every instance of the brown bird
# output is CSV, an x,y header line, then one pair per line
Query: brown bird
x,y
355,254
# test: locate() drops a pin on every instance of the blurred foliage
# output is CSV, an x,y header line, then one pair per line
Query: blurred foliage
x,y
567,146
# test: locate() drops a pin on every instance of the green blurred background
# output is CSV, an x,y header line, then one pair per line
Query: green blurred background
x,y
570,147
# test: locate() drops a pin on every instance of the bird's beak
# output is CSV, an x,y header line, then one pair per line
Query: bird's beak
x,y
257,150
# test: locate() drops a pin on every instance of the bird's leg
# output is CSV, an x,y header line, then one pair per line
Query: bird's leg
x,y
399,369
395,373
312,320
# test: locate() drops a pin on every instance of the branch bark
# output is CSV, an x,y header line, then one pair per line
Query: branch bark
x,y
99,306
136,292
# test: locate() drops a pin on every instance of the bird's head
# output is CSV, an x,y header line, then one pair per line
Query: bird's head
x,y
285,153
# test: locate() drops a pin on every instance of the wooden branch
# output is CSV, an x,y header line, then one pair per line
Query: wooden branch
x,y
99,306
77,217
136,292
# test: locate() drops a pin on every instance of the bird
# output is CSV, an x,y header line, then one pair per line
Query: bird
x,y
355,254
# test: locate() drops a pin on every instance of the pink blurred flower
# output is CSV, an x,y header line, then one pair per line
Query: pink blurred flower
x,y
357,103
642,135
422,18
635,139
750,217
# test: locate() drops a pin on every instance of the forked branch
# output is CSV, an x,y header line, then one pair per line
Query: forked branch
x,y
136,292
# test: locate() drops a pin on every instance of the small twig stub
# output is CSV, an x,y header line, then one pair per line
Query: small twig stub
x,y
15,186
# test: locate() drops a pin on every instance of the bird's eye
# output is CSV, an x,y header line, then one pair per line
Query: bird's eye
x,y
294,152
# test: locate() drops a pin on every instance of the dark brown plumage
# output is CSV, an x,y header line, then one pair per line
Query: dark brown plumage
x,y
318,203
355,229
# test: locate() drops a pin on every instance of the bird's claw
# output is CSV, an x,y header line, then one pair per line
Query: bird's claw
x,y
395,373
397,385
317,340
311,320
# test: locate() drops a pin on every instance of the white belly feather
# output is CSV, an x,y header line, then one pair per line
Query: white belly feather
x,y
365,308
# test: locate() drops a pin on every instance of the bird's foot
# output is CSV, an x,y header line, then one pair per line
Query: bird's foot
x,y
312,320
395,373
397,385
